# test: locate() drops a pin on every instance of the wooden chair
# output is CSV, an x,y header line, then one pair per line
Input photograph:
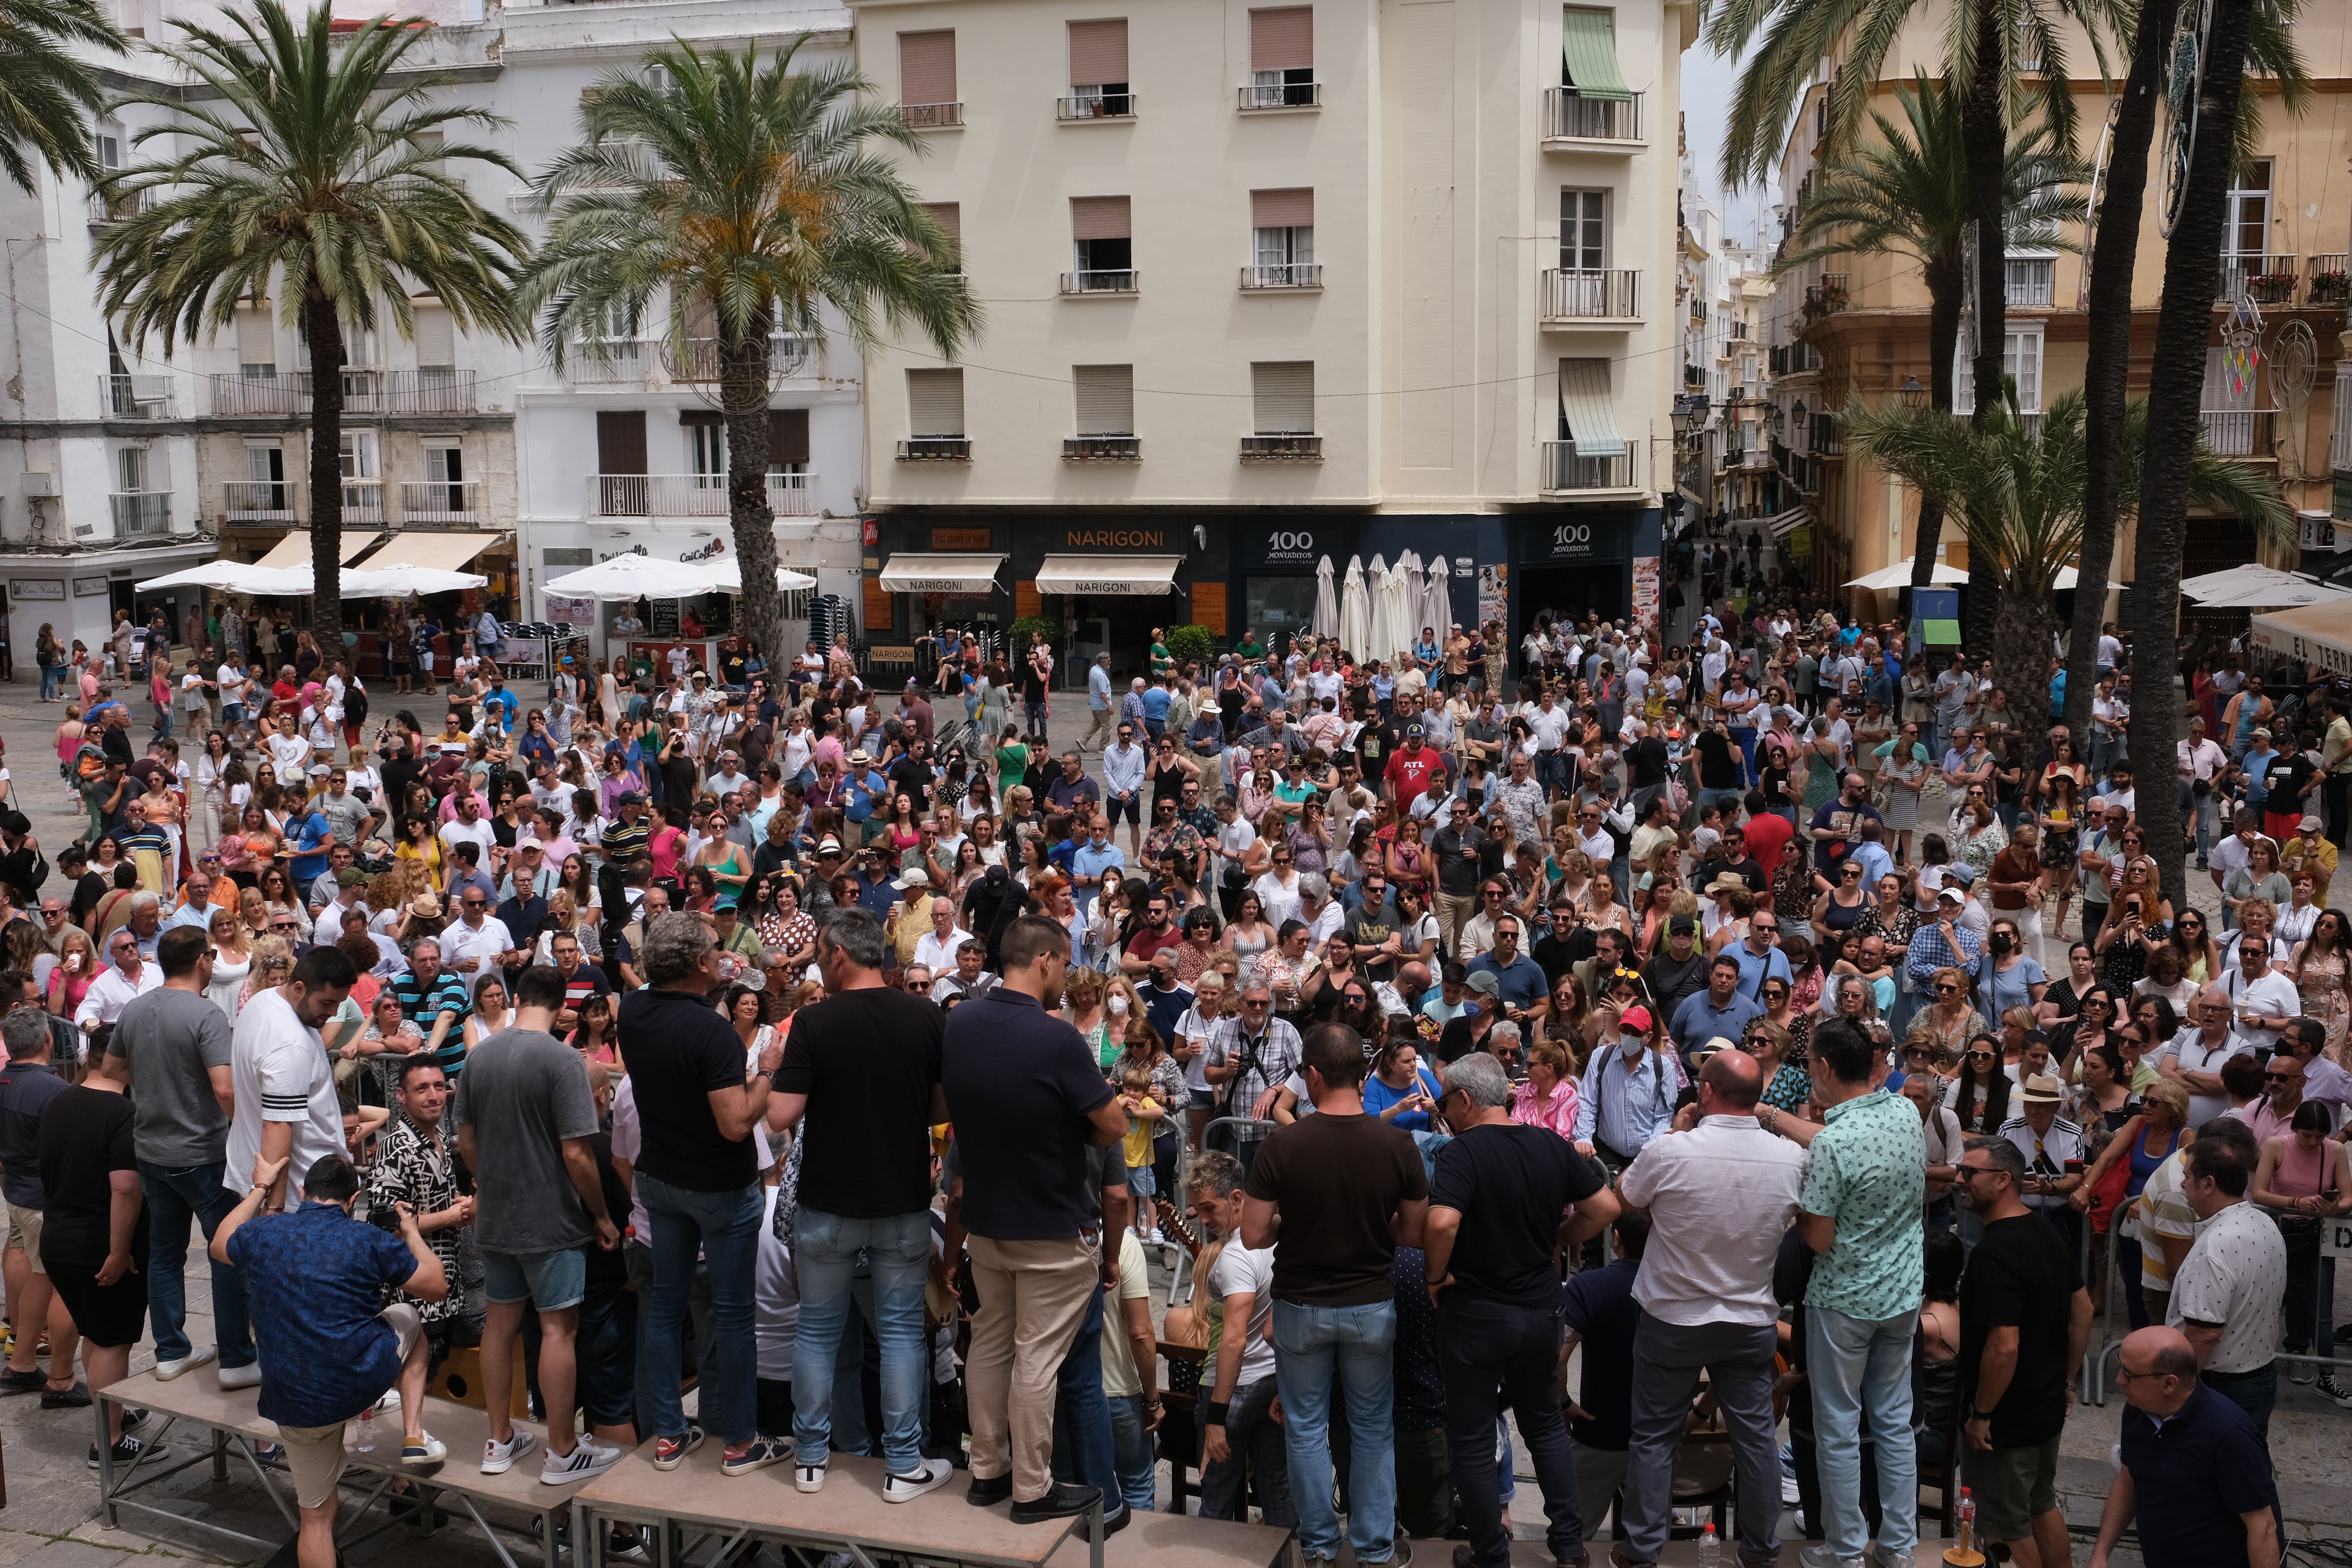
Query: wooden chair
x,y
1180,1432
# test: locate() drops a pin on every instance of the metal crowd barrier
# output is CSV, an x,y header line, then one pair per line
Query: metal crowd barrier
x,y
1183,1160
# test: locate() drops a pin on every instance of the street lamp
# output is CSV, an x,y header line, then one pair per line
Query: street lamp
x,y
1798,413
1913,395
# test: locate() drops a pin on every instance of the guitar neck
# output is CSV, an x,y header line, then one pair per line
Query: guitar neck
x,y
1174,1224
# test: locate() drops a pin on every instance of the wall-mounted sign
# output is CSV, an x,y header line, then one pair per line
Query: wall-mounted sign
x,y
1114,539
1284,548
23,588
1597,540
89,587
962,538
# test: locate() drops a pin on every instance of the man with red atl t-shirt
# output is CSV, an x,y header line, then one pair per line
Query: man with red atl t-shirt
x,y
1413,771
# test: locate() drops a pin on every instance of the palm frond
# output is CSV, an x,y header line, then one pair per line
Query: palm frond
x,y
49,95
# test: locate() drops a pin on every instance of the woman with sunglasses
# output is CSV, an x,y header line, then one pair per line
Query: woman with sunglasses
x,y
1947,1010
2304,1176
2009,977
1903,774
1786,1086
2297,917
1793,888
1837,907
1979,1093
2164,979
2097,1021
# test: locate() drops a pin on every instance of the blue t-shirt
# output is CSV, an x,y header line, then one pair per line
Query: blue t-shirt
x,y
1523,983
1379,1097
315,1278
314,836
1755,969
1599,1305
499,696
1155,704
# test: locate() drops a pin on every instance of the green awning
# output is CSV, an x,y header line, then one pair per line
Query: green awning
x,y
1589,48
1944,634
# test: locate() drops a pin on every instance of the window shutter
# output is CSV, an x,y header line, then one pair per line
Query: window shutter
x,y
927,67
621,442
1282,209
788,436
256,337
1588,50
1099,52
949,215
934,403
1283,39
1100,217
437,339
1105,399
691,417
1284,394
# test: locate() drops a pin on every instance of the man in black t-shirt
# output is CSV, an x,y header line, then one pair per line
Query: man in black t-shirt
x,y
2025,1320
1494,1228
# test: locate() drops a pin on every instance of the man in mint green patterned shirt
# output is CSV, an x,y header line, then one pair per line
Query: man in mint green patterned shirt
x,y
1865,1185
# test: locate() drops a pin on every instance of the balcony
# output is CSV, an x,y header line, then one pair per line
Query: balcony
x,y
1565,473
438,391
789,354
1082,107
936,449
1571,119
141,514
689,495
137,397
1126,281
2330,283
1282,449
1755,459
1694,376
2339,439
1738,332
1288,275
103,212
2236,432
1102,450
1282,95
442,502
1826,298
257,500
2264,279
363,500
288,396
931,116
1610,299
608,362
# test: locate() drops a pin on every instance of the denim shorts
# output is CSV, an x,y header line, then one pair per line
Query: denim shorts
x,y
550,1281
1139,1181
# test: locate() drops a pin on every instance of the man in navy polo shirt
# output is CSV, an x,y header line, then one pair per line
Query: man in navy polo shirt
x,y
1518,978
2196,1477
1723,1009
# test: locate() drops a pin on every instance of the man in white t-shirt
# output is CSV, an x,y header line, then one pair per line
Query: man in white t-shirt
x,y
1243,1385
479,941
2193,1059
468,827
2262,999
284,1076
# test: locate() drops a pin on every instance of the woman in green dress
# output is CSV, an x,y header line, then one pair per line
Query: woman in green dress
x,y
1012,758
1162,661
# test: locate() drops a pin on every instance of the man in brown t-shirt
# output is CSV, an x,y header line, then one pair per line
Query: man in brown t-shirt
x,y
1335,1194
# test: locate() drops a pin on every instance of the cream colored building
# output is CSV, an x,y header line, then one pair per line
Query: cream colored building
x,y
1265,285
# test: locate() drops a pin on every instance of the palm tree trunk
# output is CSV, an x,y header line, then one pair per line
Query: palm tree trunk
x,y
2175,387
743,370
2020,645
2106,376
1945,291
322,331
1985,138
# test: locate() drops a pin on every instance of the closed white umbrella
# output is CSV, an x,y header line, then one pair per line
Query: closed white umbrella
x,y
1408,626
1377,637
1355,613
1398,592
1441,597
1327,606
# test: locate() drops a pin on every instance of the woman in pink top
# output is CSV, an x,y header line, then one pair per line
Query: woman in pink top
x,y
1549,1096
666,841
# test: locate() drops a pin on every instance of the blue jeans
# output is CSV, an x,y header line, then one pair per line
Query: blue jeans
x,y
897,1250
1857,1366
1086,1439
1744,738
1352,1347
1728,799
2204,806
173,1198
52,678
1134,1449
724,1228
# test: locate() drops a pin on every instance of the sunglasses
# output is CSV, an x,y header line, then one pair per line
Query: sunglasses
x,y
1948,991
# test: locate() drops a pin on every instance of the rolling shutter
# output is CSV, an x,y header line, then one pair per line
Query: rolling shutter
x,y
1584,405
437,339
927,67
934,403
949,215
1100,217
689,417
1105,399
1283,396
256,337
1282,209
1283,39
621,442
1099,52
1589,48
788,436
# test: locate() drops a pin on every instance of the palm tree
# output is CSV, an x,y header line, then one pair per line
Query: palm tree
x,y
49,96
2019,497
1907,194
741,201
310,166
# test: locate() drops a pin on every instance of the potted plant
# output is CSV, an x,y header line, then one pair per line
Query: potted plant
x,y
2271,288
2330,288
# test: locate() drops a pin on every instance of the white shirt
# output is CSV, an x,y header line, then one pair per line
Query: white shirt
x,y
1719,1197
462,942
1281,902
2189,1048
478,834
2063,1142
2273,996
936,953
292,755
281,1072
2234,1275
109,993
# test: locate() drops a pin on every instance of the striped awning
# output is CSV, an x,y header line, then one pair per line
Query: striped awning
x,y
1787,523
1589,48
1584,405
294,550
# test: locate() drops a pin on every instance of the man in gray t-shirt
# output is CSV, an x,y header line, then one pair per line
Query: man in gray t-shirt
x,y
525,1118
175,1040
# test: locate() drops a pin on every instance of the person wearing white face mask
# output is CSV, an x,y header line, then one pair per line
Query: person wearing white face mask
x,y
1627,1098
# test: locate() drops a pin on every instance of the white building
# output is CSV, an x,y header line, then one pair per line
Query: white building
x,y
1268,284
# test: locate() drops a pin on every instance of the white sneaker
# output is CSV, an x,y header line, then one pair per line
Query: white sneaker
x,y
499,1458
1819,1556
168,1369
1156,1239
246,1376
933,1475
586,1459
431,1451
808,1477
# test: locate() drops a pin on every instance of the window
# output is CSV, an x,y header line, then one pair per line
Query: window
x,y
257,342
430,142
1282,231
706,445
1589,55
363,483
2029,282
1102,246
949,215
444,490
1282,397
2246,230
130,468
1106,398
926,78
788,443
1098,78
2228,414
935,403
265,470
2021,359
437,339
1583,230
1282,59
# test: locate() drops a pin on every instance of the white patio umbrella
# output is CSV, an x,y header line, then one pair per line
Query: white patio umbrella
x,y
1437,598
232,577
633,576
1407,627
1378,610
1355,615
1398,592
1327,608
727,576
396,582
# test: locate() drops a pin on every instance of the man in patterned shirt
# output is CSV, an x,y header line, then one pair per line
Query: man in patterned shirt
x,y
1250,1057
1170,831
435,1001
1523,800
416,1169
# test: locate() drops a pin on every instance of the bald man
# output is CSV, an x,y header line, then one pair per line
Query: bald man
x,y
2205,1494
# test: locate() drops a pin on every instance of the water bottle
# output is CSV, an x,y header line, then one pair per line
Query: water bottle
x,y
1710,1550
366,1443
1968,1518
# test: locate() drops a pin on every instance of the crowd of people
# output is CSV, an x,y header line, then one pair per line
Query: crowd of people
x,y
839,1049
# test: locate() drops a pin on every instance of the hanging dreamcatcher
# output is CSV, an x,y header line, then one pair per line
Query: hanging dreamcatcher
x,y
2183,93
2241,347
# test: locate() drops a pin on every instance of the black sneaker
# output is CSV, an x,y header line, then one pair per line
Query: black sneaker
x,y
988,1493
129,1450
74,1398
1061,1502
625,1542
15,1381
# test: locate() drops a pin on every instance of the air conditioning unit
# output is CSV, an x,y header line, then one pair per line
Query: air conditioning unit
x,y
41,482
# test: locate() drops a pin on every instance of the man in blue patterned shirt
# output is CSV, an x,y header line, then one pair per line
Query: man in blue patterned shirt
x,y
435,1000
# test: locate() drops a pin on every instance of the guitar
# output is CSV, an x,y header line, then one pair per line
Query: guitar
x,y
1173,1223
